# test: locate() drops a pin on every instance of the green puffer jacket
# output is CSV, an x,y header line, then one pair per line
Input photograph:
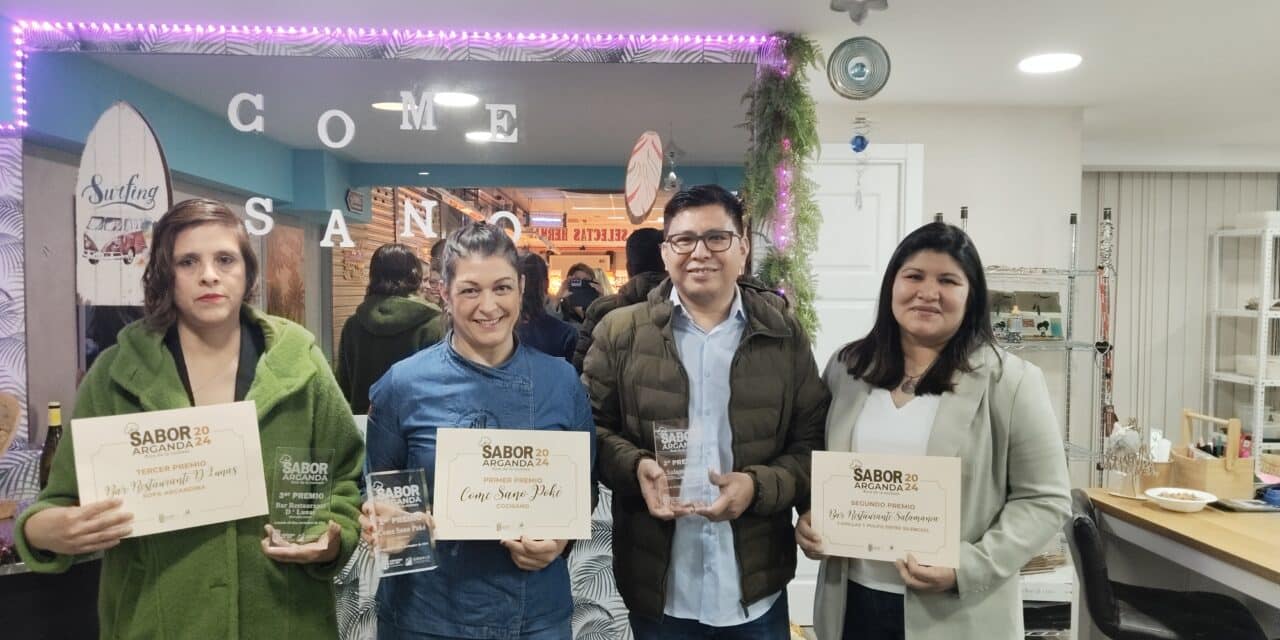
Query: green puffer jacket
x,y
778,409
383,331
214,581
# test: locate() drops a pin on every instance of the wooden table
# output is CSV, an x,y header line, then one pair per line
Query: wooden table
x,y
1240,550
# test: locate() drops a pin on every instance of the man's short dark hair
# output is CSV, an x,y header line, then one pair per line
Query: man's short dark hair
x,y
644,252
701,196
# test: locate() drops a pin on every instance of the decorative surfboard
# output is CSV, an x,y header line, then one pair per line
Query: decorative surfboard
x,y
644,176
122,189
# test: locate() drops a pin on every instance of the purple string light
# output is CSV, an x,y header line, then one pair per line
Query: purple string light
x,y
108,31
783,212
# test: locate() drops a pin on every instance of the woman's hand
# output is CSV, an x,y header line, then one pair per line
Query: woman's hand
x,y
395,527
320,551
532,555
808,539
922,577
79,530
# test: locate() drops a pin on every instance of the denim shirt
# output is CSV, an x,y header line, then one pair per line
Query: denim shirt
x,y
477,591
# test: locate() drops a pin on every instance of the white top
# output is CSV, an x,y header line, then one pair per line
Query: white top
x,y
885,428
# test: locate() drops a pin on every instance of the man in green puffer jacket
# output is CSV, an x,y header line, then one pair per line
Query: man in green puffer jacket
x,y
728,361
391,324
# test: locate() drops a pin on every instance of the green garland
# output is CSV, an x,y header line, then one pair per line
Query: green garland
x,y
784,135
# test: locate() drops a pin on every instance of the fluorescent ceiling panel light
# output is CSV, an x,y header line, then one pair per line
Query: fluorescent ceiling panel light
x,y
483,136
1049,63
456,99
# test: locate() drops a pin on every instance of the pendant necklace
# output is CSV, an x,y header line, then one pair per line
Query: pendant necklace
x,y
910,382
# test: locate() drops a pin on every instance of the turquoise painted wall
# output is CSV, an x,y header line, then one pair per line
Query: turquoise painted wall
x,y
67,93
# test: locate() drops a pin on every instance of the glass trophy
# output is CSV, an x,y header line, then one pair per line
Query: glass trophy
x,y
687,462
403,539
301,485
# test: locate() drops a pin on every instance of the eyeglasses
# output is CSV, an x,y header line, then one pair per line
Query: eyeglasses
x,y
435,281
717,241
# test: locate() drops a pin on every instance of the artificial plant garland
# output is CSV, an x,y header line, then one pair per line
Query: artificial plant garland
x,y
777,192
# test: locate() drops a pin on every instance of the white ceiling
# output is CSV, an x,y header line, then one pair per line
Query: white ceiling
x,y
1154,70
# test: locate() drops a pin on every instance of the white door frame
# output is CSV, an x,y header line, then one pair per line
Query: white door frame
x,y
909,159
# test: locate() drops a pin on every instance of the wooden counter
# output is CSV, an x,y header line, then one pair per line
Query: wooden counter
x,y
1247,544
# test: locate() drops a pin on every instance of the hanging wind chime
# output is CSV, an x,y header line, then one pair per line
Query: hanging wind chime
x,y
859,143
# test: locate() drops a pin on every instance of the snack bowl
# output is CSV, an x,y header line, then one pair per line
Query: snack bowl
x,y
1179,499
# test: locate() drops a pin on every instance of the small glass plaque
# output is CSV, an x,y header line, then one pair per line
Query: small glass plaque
x,y
681,453
301,485
400,523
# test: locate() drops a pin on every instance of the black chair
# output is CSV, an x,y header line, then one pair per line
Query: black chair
x,y
1129,612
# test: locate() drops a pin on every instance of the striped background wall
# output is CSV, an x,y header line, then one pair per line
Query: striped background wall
x,y
1164,221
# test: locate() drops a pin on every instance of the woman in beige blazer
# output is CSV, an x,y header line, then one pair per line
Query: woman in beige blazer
x,y
931,350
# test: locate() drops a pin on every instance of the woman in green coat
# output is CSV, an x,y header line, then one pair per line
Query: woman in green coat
x,y
199,344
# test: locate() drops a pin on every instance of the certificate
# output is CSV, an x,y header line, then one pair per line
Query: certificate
x,y
494,484
174,469
882,507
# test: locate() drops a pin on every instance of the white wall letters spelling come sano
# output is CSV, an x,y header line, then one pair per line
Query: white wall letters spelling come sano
x,y
417,114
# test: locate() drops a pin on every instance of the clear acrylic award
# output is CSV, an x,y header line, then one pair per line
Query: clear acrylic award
x,y
400,523
301,485
687,460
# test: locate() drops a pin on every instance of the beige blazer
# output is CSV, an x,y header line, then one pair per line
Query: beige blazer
x,y
1015,496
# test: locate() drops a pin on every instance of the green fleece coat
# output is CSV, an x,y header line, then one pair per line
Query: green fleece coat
x,y
214,581
383,331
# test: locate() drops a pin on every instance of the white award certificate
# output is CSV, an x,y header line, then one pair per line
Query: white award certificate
x,y
494,484
882,507
174,469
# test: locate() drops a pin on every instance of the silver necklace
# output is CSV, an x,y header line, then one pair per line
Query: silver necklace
x,y
909,383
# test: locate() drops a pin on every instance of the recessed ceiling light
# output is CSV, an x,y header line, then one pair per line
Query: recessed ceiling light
x,y
424,173
387,106
483,136
1049,63
456,99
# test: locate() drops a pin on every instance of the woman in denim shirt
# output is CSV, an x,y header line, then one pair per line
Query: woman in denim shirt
x,y
479,376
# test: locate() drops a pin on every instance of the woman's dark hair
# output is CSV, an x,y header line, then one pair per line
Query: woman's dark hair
x,y
159,309
534,270
395,270
878,358
701,196
480,240
581,266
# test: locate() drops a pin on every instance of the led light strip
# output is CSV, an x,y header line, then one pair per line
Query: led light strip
x,y
90,32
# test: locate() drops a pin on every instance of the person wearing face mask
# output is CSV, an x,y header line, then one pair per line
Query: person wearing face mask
x,y
577,291
733,366
199,343
929,380
478,377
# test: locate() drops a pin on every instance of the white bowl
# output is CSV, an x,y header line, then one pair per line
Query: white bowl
x,y
1161,497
